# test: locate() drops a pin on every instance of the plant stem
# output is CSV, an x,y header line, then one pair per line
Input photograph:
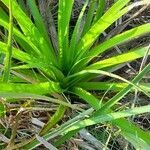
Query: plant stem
x,y
9,46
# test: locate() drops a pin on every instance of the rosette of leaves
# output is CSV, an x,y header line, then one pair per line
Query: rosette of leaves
x,y
68,64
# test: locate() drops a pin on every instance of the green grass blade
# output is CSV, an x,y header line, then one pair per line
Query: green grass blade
x,y
31,32
15,97
131,132
108,117
24,42
123,37
122,58
76,33
16,53
121,123
65,138
64,15
123,92
89,98
103,23
139,138
86,72
32,62
53,120
38,19
7,62
137,142
38,88
89,17
35,143
52,72
22,5
111,86
75,125
127,127
100,10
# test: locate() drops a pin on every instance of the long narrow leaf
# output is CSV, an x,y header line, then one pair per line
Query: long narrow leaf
x,y
76,34
111,86
100,10
123,37
89,98
64,15
7,65
122,58
31,31
124,91
38,19
17,54
15,97
104,22
53,120
39,88
108,117
89,17
84,72
25,43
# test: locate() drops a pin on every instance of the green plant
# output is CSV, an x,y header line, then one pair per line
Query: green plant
x,y
70,69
